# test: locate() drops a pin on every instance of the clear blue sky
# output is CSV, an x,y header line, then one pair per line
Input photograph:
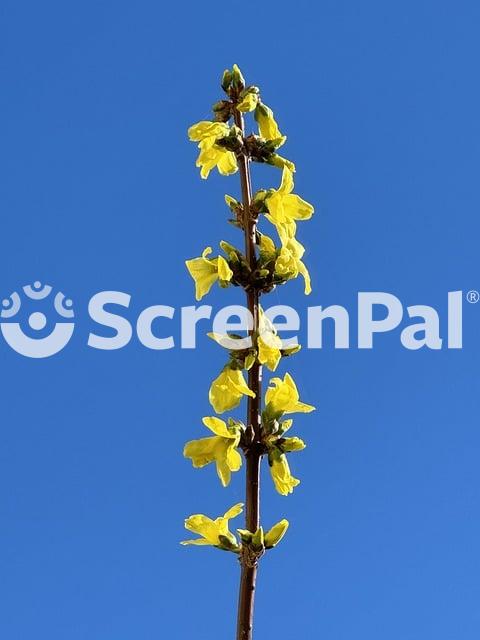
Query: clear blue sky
x,y
99,191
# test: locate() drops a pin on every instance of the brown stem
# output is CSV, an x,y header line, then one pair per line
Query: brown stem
x,y
253,452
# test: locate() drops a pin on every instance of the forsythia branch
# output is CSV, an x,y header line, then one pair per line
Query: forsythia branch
x,y
224,144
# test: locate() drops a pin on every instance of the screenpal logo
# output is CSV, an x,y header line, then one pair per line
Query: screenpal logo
x,y
418,326
39,346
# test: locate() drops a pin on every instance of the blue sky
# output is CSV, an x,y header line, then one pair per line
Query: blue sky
x,y
99,192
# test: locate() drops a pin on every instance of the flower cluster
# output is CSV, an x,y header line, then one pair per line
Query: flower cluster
x,y
224,144
217,534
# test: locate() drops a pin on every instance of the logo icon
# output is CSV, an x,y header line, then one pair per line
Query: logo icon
x,y
44,342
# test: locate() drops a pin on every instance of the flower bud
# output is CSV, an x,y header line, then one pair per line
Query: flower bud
x,y
291,444
259,198
257,539
230,251
228,543
222,111
276,533
238,81
232,203
285,425
248,103
249,361
226,80
245,535
248,99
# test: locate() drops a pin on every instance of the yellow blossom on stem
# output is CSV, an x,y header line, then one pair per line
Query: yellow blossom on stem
x,y
269,350
206,271
268,343
282,478
283,397
267,125
248,102
289,263
220,448
292,444
283,205
206,133
281,162
214,532
227,390
267,247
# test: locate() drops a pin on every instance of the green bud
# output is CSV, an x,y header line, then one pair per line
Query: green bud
x,y
228,544
276,533
250,361
222,111
257,539
238,81
260,195
270,414
245,535
228,248
235,424
232,203
235,131
259,199
271,428
226,80
263,273
232,143
285,426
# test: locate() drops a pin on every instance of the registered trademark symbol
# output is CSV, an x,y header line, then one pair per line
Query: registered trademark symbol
x,y
473,296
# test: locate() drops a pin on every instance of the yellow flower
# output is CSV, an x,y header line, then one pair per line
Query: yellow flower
x,y
227,390
282,478
283,397
248,102
283,205
267,126
276,533
221,449
292,444
268,343
214,532
267,247
289,263
205,271
281,162
269,350
206,133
